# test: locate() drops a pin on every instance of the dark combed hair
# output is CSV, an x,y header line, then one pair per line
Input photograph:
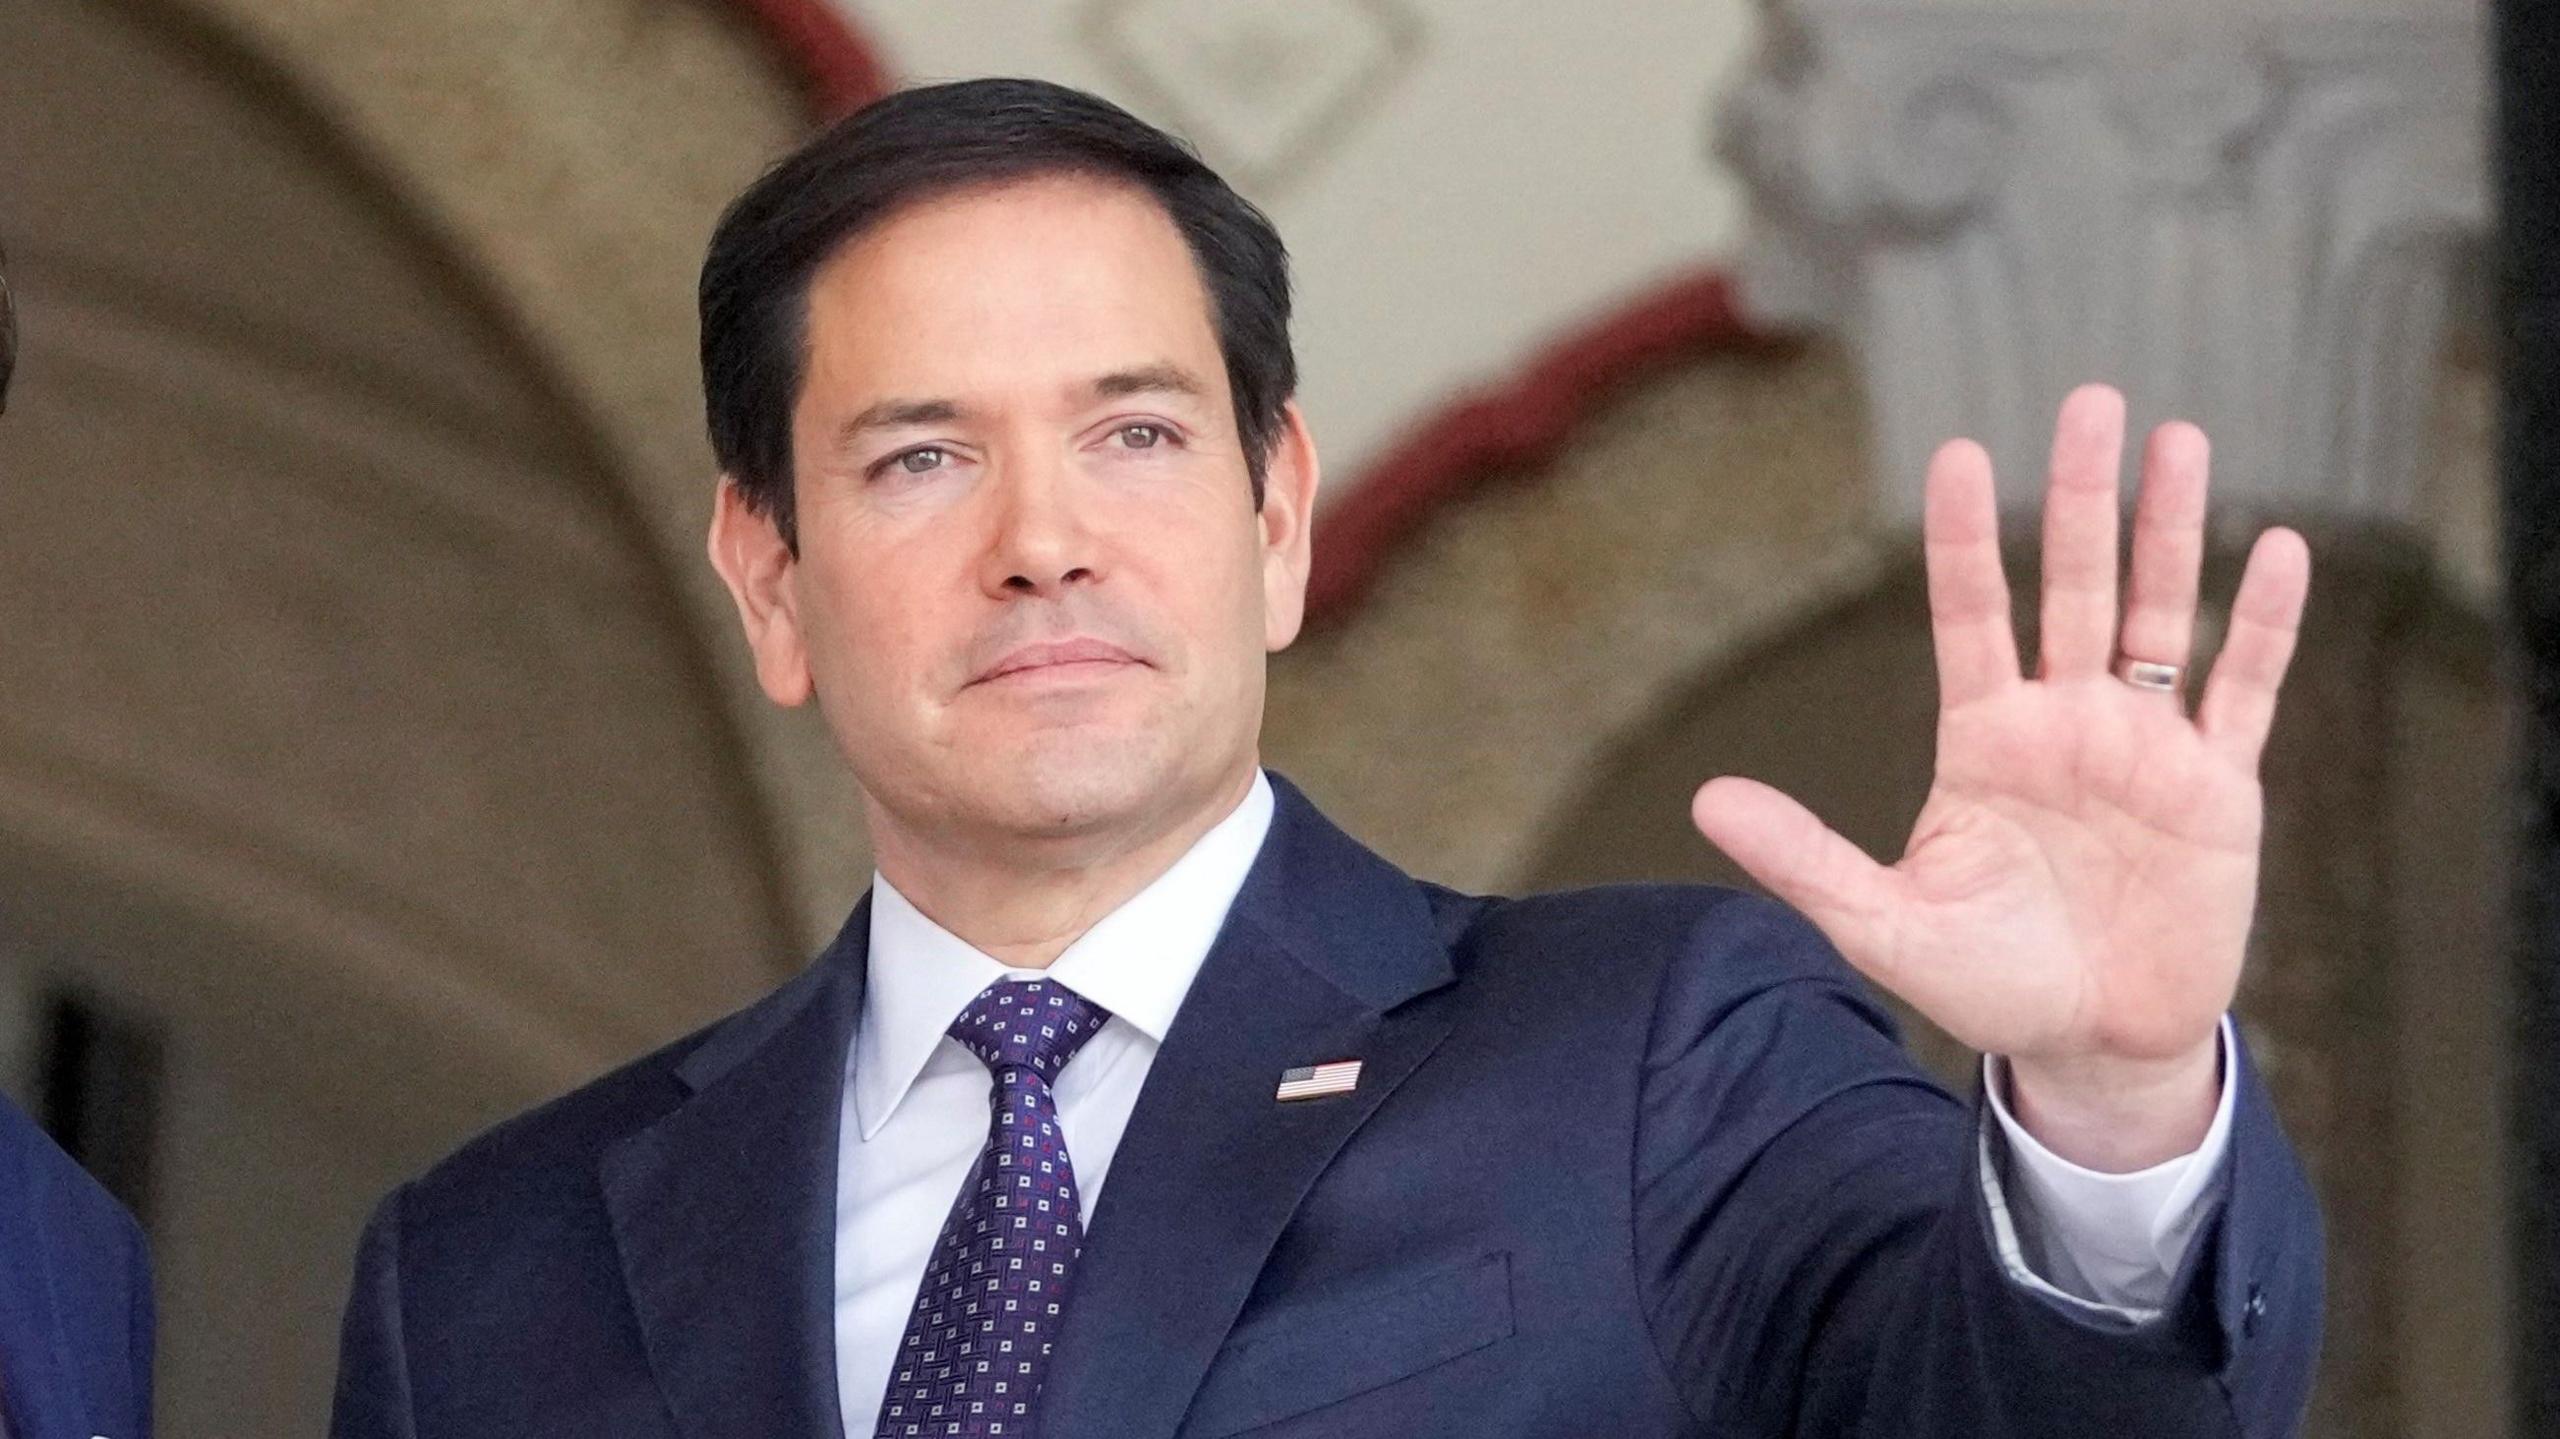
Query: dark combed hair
x,y
931,141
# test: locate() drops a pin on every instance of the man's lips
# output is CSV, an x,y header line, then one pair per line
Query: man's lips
x,y
1057,652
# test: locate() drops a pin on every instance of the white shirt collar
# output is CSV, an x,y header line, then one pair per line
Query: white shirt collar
x,y
1138,961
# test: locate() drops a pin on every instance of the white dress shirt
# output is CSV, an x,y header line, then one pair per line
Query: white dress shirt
x,y
915,1112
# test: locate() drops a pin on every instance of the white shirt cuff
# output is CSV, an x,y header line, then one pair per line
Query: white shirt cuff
x,y
2108,1243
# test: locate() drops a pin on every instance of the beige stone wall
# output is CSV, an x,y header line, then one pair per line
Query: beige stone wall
x,y
1459,712
574,156
374,725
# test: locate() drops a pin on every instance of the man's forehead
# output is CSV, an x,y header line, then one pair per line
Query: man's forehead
x,y
1062,288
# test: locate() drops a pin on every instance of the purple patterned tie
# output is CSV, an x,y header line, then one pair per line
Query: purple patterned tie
x,y
977,1345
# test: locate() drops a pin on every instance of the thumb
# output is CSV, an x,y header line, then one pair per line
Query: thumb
x,y
1804,862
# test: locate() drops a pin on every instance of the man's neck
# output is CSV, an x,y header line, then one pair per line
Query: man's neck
x,y
1022,906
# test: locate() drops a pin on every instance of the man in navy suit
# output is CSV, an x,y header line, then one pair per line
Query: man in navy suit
x,y
1136,1099
75,1279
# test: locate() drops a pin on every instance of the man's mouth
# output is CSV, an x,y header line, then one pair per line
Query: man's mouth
x,y
1059,655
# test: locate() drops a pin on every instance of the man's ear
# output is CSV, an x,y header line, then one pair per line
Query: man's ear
x,y
748,550
1288,508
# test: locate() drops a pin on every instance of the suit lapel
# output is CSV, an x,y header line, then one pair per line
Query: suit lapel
x,y
724,1212
1320,956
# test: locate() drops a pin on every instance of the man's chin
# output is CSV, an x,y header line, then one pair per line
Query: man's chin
x,y
1067,790
1109,782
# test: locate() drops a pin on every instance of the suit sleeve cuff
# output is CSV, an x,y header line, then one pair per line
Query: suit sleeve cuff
x,y
2109,1244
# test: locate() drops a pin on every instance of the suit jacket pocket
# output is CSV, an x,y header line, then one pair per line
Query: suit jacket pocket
x,y
1302,1357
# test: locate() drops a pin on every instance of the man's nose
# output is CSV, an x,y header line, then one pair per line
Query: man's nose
x,y
1039,543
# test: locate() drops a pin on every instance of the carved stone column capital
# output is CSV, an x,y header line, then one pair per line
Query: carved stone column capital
x,y
2253,218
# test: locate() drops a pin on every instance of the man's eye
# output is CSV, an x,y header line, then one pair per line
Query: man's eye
x,y
1141,437
920,461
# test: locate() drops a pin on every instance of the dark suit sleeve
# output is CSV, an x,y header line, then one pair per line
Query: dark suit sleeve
x,y
373,1367
1816,1245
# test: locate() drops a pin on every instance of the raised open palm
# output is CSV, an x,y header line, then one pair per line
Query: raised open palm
x,y
2078,888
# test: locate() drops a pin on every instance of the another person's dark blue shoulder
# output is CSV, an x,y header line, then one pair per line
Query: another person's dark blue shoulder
x,y
67,1208
89,1262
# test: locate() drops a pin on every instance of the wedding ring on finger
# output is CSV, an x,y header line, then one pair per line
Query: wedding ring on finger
x,y
2148,674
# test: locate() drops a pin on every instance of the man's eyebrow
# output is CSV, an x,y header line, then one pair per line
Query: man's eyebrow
x,y
1147,379
896,414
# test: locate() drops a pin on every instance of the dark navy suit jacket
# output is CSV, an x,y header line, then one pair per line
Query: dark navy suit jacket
x,y
75,1298
1623,1163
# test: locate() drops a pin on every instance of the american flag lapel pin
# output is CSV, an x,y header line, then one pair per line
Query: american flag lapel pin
x,y
1315,1081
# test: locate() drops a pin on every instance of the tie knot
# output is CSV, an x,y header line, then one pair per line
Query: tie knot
x,y
1027,1024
